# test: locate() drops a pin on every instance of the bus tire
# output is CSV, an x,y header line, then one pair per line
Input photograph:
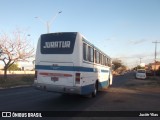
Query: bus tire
x,y
94,93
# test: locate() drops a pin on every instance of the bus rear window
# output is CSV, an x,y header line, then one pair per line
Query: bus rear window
x,y
58,43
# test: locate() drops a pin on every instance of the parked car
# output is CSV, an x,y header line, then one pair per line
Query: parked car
x,y
141,74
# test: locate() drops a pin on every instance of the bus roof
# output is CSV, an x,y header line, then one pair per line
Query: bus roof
x,y
84,39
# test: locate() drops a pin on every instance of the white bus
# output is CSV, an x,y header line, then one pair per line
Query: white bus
x,y
67,63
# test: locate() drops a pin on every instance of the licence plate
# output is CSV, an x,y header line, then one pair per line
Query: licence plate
x,y
54,79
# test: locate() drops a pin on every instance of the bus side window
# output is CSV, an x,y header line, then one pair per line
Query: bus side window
x,y
84,51
109,64
102,59
106,61
98,58
95,56
90,54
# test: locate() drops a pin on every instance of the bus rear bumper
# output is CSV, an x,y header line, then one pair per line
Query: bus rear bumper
x,y
58,88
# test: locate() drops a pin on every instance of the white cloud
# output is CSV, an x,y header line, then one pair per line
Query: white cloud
x,y
135,42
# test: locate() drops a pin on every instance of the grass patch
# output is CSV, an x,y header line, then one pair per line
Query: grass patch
x,y
16,80
154,80
157,78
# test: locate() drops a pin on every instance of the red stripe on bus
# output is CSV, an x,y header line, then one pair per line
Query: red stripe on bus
x,y
56,74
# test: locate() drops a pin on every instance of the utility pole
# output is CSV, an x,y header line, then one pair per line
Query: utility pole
x,y
140,60
49,23
155,56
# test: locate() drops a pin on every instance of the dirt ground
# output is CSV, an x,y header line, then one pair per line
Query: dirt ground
x,y
150,85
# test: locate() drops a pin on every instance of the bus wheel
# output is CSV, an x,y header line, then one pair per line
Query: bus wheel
x,y
94,93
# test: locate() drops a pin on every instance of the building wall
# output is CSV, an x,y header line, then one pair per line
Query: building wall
x,y
157,67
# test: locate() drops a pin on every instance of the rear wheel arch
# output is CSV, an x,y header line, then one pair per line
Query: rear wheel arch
x,y
94,93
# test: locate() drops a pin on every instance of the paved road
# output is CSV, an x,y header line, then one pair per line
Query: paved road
x,y
119,81
116,98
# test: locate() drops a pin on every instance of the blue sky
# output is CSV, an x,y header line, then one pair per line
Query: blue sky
x,y
123,29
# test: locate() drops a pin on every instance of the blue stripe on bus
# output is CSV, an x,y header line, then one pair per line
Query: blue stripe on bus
x,y
87,89
67,68
103,84
90,88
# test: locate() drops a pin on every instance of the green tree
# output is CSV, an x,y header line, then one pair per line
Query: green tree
x,y
140,67
116,64
14,67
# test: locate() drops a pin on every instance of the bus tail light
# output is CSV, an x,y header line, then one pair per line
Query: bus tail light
x,y
77,78
35,75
